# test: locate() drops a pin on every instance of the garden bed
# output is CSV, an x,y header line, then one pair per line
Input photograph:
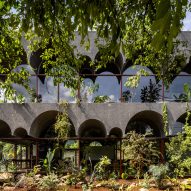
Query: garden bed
x,y
129,185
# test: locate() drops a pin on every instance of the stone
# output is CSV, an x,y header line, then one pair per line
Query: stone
x,y
143,189
8,188
6,177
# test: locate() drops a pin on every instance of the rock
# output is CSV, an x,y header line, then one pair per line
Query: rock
x,y
98,185
25,182
6,177
61,186
19,176
143,189
8,188
79,183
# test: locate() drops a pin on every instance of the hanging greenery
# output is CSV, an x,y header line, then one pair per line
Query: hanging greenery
x,y
165,118
62,125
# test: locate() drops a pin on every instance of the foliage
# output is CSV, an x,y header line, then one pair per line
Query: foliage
x,y
101,99
124,175
139,151
62,125
150,93
48,182
6,156
126,95
11,51
73,145
47,163
178,149
76,176
100,168
158,172
88,90
113,175
145,183
184,97
186,184
165,118
133,81
132,26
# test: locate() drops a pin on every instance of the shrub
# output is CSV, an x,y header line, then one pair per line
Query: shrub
x,y
139,151
48,182
158,173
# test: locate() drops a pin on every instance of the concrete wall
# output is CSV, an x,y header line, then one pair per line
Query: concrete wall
x,y
34,116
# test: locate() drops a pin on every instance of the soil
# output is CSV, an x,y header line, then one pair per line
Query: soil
x,y
78,187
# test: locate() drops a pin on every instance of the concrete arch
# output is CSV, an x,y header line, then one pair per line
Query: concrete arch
x,y
116,132
108,85
43,122
87,68
5,130
20,132
134,94
92,128
145,121
114,65
182,118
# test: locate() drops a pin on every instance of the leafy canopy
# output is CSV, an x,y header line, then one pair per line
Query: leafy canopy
x,y
144,30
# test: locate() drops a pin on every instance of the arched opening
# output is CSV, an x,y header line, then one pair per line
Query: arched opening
x,y
86,67
36,63
94,143
20,132
180,122
92,128
108,87
116,132
147,121
114,65
183,117
5,130
137,93
176,92
42,127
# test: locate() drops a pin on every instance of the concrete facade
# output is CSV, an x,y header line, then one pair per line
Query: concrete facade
x,y
35,118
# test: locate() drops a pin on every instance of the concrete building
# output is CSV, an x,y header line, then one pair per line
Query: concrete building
x,y
29,124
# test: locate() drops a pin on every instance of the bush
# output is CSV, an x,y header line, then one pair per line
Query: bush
x,y
48,182
158,173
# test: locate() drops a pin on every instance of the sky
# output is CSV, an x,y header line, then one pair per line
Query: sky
x,y
187,22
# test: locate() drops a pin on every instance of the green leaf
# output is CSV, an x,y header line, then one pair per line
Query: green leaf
x,y
163,8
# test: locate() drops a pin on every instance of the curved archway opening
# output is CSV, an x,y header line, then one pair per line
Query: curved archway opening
x,y
95,144
114,65
182,118
92,128
134,94
116,132
20,132
42,126
5,130
180,122
147,121
86,67
108,86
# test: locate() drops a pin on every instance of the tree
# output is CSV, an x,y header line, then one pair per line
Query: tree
x,y
11,51
139,151
150,93
144,30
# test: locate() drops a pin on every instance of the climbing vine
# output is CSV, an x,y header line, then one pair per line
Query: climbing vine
x,y
62,125
165,118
